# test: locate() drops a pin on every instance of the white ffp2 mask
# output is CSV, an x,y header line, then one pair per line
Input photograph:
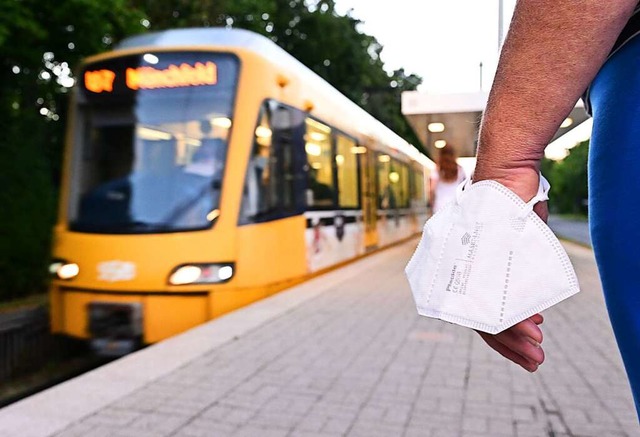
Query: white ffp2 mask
x,y
487,261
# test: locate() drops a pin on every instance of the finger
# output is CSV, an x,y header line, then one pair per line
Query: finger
x,y
537,319
508,353
542,209
521,344
527,328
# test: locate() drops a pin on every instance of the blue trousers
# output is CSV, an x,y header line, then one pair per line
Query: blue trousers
x,y
614,198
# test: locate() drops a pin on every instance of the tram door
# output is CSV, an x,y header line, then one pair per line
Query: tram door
x,y
369,199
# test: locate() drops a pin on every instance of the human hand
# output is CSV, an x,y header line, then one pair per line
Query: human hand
x,y
520,343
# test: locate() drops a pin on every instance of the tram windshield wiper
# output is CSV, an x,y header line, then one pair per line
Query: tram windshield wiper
x,y
133,227
146,226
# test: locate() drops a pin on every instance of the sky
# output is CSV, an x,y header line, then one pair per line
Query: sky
x,y
443,41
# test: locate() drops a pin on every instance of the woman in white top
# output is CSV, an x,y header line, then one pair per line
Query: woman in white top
x,y
445,179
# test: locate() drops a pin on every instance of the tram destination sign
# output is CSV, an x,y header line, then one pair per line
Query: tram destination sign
x,y
173,76
126,75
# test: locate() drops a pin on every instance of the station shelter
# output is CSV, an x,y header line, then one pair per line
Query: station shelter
x,y
440,119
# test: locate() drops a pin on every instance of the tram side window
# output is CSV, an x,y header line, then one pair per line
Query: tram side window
x,y
347,169
393,183
387,198
418,187
397,183
403,185
320,184
272,172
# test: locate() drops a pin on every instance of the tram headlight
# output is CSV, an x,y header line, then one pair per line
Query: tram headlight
x,y
64,270
201,274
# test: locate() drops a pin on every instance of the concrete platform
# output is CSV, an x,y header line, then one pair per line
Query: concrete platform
x,y
574,230
346,355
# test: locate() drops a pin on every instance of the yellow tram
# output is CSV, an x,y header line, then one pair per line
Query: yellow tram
x,y
206,169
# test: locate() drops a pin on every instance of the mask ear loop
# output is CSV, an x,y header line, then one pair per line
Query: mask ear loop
x,y
541,196
461,187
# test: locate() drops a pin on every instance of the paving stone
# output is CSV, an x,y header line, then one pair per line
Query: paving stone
x,y
112,417
376,428
255,431
132,432
500,427
417,431
92,430
205,428
314,434
356,360
475,424
158,423
76,430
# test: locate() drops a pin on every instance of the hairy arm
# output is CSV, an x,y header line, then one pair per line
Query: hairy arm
x,y
553,51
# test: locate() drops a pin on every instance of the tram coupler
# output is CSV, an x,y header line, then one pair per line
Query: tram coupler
x,y
115,328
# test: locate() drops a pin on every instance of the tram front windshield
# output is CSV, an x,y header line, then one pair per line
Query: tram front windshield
x,y
151,142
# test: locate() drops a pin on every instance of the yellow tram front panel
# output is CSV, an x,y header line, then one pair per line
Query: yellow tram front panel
x,y
162,316
140,262
136,269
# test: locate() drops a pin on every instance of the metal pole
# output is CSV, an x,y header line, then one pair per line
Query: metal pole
x,y
480,75
500,22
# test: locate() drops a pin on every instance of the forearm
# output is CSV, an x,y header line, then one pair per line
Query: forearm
x,y
552,52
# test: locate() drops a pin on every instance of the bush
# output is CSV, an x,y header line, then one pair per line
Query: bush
x,y
27,199
568,179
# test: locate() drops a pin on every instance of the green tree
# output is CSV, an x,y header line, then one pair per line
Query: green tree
x,y
384,103
314,33
41,43
175,14
332,46
569,181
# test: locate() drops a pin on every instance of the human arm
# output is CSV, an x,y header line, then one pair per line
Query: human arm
x,y
552,52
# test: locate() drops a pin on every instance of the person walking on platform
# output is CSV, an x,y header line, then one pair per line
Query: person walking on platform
x,y
554,51
445,179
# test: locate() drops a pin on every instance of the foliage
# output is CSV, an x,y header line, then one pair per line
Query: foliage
x,y
27,206
569,181
329,44
42,43
175,14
